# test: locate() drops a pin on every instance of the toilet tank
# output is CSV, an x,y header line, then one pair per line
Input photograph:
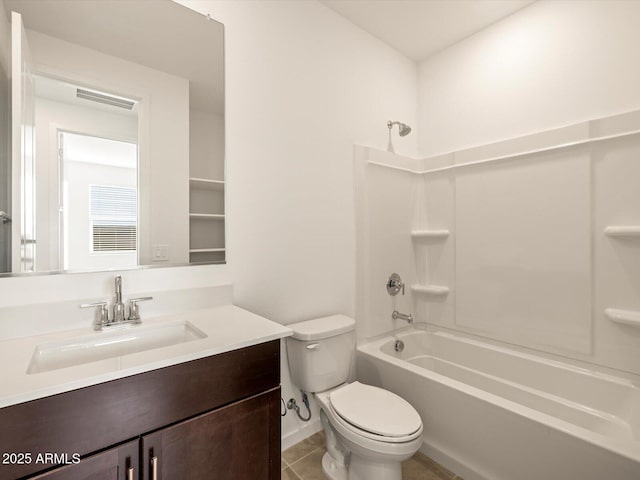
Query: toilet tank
x,y
320,352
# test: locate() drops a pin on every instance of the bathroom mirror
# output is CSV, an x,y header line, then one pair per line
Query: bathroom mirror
x,y
117,136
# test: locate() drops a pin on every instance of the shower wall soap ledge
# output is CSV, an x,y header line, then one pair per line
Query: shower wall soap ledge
x,y
622,231
628,317
430,233
437,290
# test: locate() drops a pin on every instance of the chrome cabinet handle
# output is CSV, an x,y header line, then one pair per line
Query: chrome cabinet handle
x,y
154,468
130,473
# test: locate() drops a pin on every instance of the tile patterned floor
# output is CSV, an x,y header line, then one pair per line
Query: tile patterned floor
x,y
303,461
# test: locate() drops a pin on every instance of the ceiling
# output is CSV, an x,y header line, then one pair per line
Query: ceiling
x,y
420,28
159,34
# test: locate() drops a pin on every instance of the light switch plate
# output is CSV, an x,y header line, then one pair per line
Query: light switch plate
x,y
160,253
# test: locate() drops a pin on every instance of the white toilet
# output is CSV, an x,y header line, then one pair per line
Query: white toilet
x,y
369,430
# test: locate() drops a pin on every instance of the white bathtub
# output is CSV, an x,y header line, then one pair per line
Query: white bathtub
x,y
495,413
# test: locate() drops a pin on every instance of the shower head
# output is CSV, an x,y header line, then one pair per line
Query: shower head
x,y
403,128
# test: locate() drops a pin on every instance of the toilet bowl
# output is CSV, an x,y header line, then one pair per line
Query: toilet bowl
x,y
376,428
369,430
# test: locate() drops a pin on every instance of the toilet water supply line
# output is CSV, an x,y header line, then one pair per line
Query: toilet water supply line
x,y
293,405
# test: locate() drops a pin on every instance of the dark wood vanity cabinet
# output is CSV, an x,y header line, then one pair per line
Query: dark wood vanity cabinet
x,y
216,417
231,443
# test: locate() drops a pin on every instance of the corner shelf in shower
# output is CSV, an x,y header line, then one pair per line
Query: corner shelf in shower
x,y
433,290
623,231
210,216
627,317
429,234
206,183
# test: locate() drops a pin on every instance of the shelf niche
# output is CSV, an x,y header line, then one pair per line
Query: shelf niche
x,y
623,231
432,290
429,234
626,317
206,221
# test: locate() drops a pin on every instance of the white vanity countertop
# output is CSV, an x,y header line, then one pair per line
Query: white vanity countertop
x,y
227,328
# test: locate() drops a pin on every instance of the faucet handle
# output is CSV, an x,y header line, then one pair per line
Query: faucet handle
x,y
103,313
394,285
134,309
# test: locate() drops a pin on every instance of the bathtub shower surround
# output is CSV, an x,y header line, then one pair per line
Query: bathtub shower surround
x,y
532,243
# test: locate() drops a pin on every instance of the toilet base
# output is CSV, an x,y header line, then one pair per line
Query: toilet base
x,y
360,470
365,469
331,470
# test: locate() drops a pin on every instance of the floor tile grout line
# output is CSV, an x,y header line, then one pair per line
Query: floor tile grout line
x,y
305,456
302,458
298,477
295,473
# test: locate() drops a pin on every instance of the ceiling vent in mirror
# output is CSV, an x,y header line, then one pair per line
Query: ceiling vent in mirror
x,y
105,98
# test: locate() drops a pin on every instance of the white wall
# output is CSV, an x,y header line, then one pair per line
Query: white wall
x,y
206,145
551,64
302,85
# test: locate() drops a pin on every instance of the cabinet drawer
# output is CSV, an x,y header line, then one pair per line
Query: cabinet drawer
x,y
93,418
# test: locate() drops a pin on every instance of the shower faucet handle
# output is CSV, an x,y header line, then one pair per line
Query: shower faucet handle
x,y
394,285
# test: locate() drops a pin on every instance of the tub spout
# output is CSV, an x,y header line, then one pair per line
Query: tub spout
x,y
401,316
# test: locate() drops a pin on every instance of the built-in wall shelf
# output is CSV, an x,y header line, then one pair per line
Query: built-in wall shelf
x,y
210,216
628,317
206,183
626,231
429,234
207,190
435,290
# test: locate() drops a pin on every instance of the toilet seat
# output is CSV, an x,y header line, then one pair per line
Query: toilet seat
x,y
375,413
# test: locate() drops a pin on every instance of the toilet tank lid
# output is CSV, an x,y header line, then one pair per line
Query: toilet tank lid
x,y
320,328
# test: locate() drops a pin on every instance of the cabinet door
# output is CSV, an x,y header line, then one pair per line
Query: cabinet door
x,y
118,463
238,442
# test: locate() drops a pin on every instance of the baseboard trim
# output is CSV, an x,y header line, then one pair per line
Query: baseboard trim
x,y
299,435
455,465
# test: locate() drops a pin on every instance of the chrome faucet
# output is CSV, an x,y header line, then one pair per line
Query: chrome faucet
x,y
396,315
118,306
118,316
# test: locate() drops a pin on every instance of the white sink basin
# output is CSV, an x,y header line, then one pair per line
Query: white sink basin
x,y
109,344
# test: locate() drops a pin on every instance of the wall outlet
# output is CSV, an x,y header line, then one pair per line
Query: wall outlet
x,y
160,253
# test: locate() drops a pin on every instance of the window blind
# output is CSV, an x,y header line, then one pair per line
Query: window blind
x,y
113,212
